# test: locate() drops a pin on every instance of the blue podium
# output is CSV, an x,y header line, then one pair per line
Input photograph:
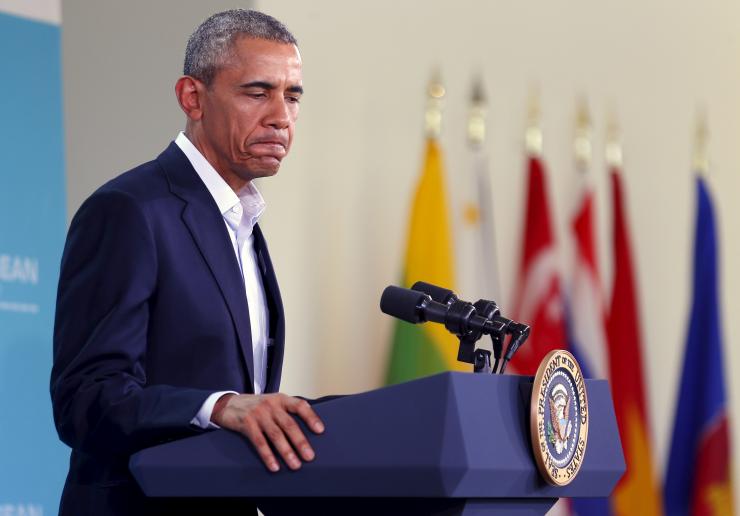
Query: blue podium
x,y
449,444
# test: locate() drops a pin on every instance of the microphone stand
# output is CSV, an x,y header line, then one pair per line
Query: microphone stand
x,y
481,358
456,321
519,333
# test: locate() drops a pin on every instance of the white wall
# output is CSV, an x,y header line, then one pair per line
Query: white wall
x,y
337,211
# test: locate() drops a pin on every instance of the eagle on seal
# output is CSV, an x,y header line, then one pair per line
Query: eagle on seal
x,y
559,412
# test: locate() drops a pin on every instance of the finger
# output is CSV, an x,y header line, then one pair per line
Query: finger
x,y
254,434
276,436
294,433
303,409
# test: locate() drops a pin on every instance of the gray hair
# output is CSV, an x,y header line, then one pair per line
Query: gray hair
x,y
211,43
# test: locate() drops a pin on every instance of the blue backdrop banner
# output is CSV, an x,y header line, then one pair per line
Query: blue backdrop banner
x,y
32,224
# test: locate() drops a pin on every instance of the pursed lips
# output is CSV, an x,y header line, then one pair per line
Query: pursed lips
x,y
270,146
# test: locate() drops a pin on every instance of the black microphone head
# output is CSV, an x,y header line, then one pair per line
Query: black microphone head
x,y
438,294
403,303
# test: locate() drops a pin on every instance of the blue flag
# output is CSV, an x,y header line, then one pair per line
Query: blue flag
x,y
698,479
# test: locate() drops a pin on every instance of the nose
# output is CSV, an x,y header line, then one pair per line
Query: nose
x,y
279,115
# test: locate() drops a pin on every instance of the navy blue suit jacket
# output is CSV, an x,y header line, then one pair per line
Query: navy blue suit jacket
x,y
151,318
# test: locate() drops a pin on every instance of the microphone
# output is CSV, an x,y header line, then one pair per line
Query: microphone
x,y
411,306
417,307
497,326
487,309
438,294
448,297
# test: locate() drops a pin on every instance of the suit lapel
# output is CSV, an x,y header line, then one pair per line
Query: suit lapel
x,y
275,305
207,227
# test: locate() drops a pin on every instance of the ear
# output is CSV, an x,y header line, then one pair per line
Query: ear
x,y
189,91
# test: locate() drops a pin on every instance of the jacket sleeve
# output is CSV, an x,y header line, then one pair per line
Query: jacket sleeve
x,y
101,399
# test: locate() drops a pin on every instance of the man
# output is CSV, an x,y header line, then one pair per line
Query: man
x,y
168,305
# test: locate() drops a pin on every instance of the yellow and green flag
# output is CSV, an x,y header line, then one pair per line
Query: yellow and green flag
x,y
424,349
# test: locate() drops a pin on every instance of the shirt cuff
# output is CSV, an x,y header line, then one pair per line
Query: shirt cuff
x,y
203,418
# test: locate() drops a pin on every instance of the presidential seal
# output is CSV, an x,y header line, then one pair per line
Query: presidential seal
x,y
558,418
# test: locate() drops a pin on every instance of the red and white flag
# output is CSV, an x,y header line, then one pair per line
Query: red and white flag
x,y
538,296
587,336
587,305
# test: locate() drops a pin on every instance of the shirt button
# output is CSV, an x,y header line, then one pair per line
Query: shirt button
x,y
235,209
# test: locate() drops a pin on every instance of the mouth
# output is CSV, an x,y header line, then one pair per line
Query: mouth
x,y
274,148
273,139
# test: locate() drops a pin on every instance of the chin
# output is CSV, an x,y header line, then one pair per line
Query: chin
x,y
267,171
253,173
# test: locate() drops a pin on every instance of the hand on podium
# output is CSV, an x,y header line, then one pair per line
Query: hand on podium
x,y
268,416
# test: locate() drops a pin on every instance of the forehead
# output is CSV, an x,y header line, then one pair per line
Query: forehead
x,y
264,59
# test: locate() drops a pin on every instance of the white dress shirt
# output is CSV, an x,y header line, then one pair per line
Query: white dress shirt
x,y
241,212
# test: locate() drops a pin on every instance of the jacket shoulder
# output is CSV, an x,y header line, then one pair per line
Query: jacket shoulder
x,y
143,182
147,184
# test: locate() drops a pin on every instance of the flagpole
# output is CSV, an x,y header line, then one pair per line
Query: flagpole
x,y
638,491
478,213
433,114
699,473
613,150
533,134
537,293
582,139
586,306
700,159
477,117
420,351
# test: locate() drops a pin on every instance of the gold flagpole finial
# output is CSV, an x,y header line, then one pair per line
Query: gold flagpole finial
x,y
613,150
582,139
701,143
433,115
533,134
477,116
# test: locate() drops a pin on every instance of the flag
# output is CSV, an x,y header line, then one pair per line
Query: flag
x,y
478,266
698,479
637,492
587,311
538,299
424,349
586,317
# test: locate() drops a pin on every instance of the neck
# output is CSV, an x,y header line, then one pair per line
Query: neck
x,y
235,182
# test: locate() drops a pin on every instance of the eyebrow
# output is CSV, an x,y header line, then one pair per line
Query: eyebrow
x,y
268,86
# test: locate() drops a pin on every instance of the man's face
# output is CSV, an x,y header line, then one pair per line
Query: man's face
x,y
250,108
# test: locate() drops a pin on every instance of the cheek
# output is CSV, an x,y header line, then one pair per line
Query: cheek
x,y
244,123
219,123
